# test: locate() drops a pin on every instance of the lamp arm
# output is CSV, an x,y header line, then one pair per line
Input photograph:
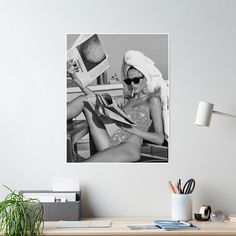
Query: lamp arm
x,y
223,114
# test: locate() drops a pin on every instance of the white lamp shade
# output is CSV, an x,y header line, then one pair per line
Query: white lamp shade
x,y
204,113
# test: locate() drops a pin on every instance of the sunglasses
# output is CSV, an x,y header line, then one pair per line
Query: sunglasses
x,y
135,80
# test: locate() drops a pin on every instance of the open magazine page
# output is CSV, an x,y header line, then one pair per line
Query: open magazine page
x,y
87,52
108,107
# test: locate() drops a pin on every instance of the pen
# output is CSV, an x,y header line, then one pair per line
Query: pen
x,y
179,186
171,187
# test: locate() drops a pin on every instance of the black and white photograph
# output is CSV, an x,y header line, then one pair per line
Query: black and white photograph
x,y
117,98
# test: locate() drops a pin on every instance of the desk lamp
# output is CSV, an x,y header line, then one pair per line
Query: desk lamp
x,y
204,113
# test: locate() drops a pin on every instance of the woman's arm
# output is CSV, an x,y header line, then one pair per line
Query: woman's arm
x,y
72,68
75,107
156,137
84,89
155,108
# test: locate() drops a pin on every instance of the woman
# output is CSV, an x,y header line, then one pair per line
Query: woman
x,y
143,107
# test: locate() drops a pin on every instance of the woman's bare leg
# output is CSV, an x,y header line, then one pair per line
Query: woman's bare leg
x,y
128,151
97,128
75,107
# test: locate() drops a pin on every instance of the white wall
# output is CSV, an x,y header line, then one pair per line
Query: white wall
x,y
202,66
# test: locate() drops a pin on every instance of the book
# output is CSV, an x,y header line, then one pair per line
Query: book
x,y
175,225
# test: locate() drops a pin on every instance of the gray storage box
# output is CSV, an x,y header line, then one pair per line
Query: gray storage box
x,y
54,211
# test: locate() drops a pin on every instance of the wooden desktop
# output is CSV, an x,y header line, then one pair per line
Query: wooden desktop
x,y
119,228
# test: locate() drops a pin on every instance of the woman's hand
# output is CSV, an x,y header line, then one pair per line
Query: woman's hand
x,y
72,68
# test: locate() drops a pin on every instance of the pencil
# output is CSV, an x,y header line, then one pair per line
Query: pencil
x,y
171,187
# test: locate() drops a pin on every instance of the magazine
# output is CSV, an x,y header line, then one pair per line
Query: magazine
x,y
105,106
144,227
175,225
87,52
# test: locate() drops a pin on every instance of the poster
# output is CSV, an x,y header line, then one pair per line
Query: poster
x,y
117,98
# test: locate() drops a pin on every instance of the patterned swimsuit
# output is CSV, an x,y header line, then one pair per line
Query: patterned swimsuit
x,y
142,119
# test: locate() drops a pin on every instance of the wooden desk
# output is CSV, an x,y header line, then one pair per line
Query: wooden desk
x,y
119,228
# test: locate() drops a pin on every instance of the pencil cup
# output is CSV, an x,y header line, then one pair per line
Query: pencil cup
x,y
181,207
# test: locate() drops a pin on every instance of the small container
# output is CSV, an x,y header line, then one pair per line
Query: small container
x,y
181,207
232,218
217,216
